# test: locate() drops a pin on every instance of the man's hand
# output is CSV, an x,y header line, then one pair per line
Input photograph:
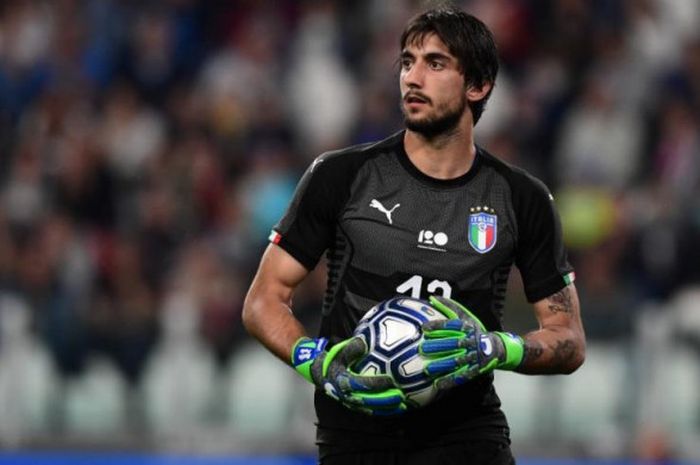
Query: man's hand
x,y
462,348
330,372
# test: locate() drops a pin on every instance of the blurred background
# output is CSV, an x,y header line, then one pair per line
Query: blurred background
x,y
147,147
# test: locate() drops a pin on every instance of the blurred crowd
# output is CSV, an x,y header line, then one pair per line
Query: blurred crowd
x,y
147,147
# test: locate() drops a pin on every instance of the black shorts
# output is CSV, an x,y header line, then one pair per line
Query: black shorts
x,y
472,453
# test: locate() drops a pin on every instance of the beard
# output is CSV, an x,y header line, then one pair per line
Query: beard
x,y
441,123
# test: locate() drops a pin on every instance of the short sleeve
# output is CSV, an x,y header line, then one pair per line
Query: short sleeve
x,y
540,256
307,228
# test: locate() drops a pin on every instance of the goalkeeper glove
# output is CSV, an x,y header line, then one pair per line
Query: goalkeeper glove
x,y
461,348
330,372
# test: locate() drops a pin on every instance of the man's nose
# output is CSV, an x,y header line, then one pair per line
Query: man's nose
x,y
414,76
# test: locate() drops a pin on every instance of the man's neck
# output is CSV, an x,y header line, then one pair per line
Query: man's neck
x,y
446,156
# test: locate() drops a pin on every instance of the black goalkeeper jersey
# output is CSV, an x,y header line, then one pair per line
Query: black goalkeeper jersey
x,y
388,229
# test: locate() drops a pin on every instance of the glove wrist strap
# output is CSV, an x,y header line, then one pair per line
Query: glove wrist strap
x,y
304,351
514,351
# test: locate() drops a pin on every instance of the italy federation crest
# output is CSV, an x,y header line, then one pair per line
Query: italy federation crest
x,y
483,228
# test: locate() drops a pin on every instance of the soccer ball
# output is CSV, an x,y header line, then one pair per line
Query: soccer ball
x,y
392,330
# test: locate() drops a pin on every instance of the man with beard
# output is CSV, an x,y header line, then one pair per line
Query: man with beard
x,y
428,214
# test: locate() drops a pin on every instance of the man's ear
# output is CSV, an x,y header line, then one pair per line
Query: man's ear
x,y
474,93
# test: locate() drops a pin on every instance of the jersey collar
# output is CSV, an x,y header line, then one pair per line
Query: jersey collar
x,y
424,178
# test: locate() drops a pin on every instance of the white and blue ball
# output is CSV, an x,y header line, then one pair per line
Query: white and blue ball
x,y
392,330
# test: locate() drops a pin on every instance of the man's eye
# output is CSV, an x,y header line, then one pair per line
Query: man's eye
x,y
406,64
436,65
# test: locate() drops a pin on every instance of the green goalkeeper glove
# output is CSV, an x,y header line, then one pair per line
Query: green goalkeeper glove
x,y
461,348
330,372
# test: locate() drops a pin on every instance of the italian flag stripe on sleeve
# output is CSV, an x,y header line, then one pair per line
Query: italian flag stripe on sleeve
x,y
275,237
569,278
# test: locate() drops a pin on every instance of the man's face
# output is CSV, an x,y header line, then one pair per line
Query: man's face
x,y
433,92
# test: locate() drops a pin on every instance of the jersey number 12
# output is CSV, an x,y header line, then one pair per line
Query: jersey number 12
x,y
414,284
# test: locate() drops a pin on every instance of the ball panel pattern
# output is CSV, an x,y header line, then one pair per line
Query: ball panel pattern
x,y
393,332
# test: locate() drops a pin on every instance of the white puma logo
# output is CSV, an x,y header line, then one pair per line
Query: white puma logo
x,y
376,204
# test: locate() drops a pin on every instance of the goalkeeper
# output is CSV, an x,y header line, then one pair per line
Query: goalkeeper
x,y
425,212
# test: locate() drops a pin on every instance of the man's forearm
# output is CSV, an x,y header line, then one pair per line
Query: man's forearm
x,y
552,350
273,324
559,346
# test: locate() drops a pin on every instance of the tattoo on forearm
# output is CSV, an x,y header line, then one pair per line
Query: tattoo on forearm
x,y
564,352
532,352
560,301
